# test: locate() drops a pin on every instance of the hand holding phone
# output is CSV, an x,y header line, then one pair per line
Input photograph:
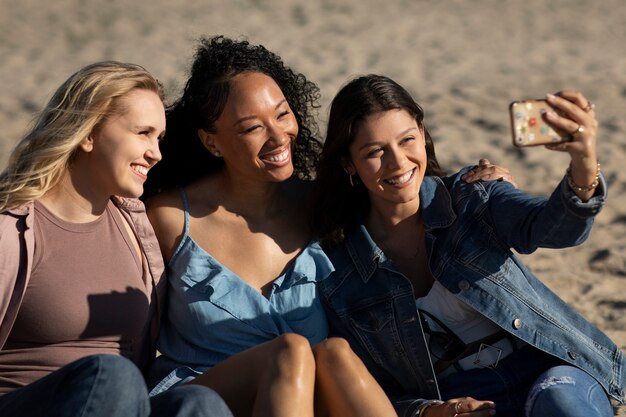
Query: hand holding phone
x,y
527,124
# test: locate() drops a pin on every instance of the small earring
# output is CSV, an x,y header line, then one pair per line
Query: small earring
x,y
347,171
217,154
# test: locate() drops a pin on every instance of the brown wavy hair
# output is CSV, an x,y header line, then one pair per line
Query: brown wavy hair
x,y
336,203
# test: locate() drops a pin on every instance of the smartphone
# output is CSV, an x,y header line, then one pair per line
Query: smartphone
x,y
527,124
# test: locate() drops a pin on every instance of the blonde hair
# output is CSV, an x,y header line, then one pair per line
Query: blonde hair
x,y
77,108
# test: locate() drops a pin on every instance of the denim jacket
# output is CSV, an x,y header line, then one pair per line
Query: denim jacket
x,y
470,230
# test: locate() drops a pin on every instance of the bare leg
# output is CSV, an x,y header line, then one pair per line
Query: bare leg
x,y
345,385
274,379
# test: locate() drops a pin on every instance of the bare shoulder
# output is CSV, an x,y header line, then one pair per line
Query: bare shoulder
x,y
165,211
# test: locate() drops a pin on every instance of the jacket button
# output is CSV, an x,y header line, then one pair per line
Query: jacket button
x,y
573,355
517,324
464,285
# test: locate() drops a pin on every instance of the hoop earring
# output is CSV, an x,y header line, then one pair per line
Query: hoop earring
x,y
351,180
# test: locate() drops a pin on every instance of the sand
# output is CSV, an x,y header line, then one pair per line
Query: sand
x,y
463,60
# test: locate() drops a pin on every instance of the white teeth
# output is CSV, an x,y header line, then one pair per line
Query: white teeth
x,y
140,169
400,180
278,158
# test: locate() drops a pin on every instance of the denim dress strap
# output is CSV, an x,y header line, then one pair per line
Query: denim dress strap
x,y
183,197
185,237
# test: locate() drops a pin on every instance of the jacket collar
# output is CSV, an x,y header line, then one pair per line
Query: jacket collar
x,y
436,203
437,211
129,204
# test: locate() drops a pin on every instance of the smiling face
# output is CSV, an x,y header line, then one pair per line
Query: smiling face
x,y
121,151
389,157
255,131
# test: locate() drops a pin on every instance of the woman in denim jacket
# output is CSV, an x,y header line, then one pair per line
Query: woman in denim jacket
x,y
426,287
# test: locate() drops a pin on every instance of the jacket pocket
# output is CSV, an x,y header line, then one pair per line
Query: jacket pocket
x,y
375,328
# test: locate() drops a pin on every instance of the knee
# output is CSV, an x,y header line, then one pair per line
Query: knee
x,y
105,366
105,381
333,352
567,390
116,368
294,346
293,352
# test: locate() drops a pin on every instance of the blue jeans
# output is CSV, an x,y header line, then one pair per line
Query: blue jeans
x,y
529,383
107,386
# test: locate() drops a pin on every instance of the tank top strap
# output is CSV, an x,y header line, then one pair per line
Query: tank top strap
x,y
183,196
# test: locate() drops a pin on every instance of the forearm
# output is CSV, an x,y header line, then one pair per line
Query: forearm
x,y
526,223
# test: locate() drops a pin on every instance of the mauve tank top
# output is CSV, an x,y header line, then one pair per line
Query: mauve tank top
x,y
86,296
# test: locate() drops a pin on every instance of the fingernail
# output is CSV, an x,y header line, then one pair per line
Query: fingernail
x,y
550,96
550,114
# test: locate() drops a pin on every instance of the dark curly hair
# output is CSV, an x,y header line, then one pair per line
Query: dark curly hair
x,y
336,203
217,60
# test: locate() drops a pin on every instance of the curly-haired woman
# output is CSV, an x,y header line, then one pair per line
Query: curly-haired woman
x,y
242,268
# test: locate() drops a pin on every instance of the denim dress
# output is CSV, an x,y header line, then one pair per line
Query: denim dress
x,y
213,314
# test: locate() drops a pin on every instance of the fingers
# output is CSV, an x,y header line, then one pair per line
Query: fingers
x,y
486,171
571,111
467,407
574,117
579,100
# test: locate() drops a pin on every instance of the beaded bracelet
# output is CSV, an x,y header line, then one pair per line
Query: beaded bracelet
x,y
578,188
422,408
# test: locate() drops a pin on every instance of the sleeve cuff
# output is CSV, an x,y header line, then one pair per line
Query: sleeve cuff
x,y
584,208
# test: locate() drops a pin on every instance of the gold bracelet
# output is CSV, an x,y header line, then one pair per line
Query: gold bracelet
x,y
578,188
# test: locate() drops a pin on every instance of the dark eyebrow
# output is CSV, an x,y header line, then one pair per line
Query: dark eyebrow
x,y
367,145
243,119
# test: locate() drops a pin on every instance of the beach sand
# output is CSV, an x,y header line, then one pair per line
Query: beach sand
x,y
464,61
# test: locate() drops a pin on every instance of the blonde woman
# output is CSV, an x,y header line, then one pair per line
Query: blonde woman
x,y
80,269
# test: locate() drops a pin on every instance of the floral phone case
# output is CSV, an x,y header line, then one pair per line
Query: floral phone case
x,y
527,125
